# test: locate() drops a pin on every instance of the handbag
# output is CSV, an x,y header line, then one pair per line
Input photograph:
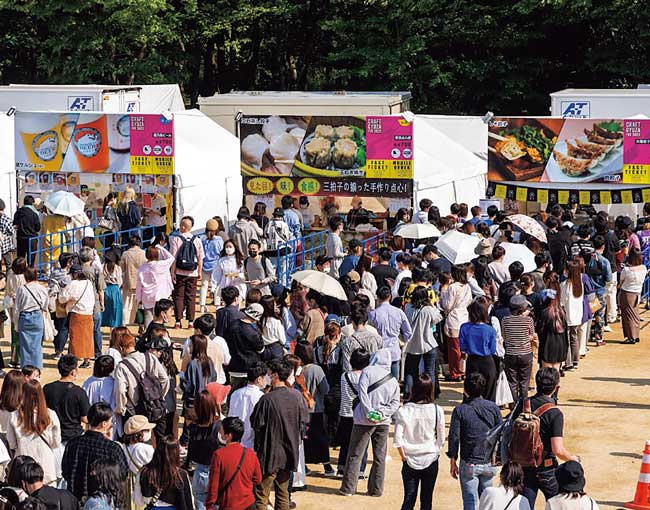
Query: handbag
x,y
106,224
139,316
49,331
503,395
594,303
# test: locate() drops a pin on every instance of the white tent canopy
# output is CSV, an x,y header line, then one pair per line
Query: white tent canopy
x,y
446,171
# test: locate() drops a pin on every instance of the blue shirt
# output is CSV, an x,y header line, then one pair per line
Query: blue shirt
x,y
293,222
348,264
391,322
600,271
478,339
212,251
469,424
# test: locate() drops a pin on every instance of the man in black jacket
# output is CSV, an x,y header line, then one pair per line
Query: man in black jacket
x,y
245,343
558,245
31,476
28,224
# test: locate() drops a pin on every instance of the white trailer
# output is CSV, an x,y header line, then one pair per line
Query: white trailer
x,y
600,103
224,109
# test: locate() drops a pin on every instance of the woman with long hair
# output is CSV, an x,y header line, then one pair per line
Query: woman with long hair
x,y
631,284
128,213
115,347
454,300
398,245
153,281
552,331
313,324
204,441
221,230
367,281
162,482
419,438
422,345
434,215
298,304
105,487
259,215
138,453
328,357
167,361
34,430
403,216
316,442
79,299
273,332
510,494
478,341
281,294
15,280
212,248
32,300
110,221
572,295
484,278
112,272
11,396
229,270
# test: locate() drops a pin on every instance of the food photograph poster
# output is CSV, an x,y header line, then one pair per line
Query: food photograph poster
x,y
94,143
554,150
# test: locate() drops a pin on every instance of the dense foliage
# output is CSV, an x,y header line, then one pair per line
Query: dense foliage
x,y
455,56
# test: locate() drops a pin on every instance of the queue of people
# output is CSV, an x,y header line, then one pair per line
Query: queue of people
x,y
278,377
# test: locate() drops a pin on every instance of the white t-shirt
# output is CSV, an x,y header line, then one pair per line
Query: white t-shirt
x,y
497,498
420,431
562,502
633,279
137,455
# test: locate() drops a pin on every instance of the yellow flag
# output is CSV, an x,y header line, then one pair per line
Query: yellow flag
x,y
605,197
645,193
500,191
563,196
584,198
522,194
542,196
626,196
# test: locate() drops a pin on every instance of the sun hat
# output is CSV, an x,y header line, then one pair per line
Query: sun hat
x,y
484,247
354,276
136,424
212,225
218,391
254,311
570,477
519,301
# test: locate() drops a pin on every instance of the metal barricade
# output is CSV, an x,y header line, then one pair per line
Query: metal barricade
x,y
44,250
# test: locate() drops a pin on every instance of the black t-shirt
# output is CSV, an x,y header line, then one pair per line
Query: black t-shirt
x,y
440,265
70,403
381,272
551,422
56,499
203,442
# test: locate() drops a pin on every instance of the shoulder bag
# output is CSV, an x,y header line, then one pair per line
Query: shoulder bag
x,y
223,488
49,331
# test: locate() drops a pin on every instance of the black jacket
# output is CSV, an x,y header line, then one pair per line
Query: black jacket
x,y
56,499
27,223
245,344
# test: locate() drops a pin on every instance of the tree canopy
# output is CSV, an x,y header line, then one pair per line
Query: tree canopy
x,y
454,56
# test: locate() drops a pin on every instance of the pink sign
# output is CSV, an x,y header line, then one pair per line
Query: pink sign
x,y
152,144
389,147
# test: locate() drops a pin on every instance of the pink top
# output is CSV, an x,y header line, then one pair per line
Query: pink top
x,y
175,242
154,280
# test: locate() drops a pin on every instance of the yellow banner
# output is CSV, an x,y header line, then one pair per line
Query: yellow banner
x,y
500,191
626,196
522,194
152,165
636,174
389,169
563,196
542,196
584,198
605,197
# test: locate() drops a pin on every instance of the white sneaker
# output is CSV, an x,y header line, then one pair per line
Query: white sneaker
x,y
607,329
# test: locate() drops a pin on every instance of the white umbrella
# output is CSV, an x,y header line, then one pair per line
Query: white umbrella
x,y
64,203
456,247
521,253
320,282
418,231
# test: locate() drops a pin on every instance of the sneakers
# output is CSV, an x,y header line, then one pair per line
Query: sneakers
x,y
341,493
178,325
57,356
607,329
330,473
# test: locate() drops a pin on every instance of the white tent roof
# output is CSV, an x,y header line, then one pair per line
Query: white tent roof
x,y
7,164
446,171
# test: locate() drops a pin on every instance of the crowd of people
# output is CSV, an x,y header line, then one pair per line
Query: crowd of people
x,y
262,390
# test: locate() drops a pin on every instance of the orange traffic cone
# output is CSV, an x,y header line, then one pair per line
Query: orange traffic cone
x,y
642,496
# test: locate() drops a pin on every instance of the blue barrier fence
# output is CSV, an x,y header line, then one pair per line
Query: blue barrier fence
x,y
44,250
299,254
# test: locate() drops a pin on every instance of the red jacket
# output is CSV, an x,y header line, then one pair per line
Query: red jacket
x,y
239,494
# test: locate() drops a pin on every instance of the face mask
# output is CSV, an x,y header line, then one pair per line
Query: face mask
x,y
147,436
267,380
222,439
326,269
230,250
291,380
304,206
298,371
252,253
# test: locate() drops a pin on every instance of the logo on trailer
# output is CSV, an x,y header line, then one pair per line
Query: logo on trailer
x,y
576,109
77,103
130,106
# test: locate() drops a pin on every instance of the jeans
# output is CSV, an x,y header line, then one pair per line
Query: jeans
x,y
61,338
412,368
474,479
97,333
394,369
539,480
518,370
425,478
278,481
200,485
359,439
343,435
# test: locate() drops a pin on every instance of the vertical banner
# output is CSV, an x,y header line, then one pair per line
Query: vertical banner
x,y
389,152
152,144
636,151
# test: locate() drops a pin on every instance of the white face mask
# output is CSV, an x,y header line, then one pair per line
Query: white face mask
x,y
267,380
298,371
230,250
291,380
222,439
326,269
146,436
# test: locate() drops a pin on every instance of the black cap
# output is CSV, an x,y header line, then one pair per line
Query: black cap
x,y
278,212
303,200
76,268
322,259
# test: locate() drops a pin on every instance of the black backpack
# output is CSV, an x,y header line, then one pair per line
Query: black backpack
x,y
151,401
187,258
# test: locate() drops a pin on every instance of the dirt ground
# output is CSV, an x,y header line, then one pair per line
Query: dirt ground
x,y
606,405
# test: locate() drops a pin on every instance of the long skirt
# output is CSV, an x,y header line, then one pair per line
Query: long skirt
x,y
112,314
30,330
81,336
629,303
486,366
316,442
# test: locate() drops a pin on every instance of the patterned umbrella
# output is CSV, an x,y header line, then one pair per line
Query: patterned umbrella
x,y
528,225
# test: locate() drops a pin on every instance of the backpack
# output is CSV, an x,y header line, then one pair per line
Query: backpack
x,y
187,258
151,401
263,262
526,447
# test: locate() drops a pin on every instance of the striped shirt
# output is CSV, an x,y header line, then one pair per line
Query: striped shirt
x,y
348,393
517,331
